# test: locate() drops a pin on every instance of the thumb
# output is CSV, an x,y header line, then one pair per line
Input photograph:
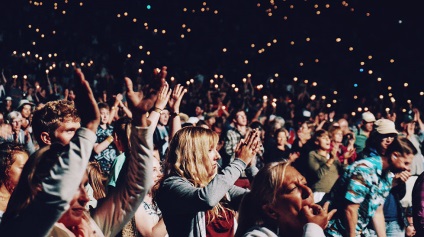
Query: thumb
x,y
129,85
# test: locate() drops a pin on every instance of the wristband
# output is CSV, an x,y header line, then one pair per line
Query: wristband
x,y
110,139
175,114
157,110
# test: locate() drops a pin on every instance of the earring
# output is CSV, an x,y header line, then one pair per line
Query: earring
x,y
278,231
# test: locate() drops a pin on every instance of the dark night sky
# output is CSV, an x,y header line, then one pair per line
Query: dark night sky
x,y
393,30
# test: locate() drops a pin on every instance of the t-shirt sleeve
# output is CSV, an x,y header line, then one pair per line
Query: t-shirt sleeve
x,y
359,184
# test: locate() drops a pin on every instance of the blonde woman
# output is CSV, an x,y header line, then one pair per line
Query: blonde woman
x,y
281,204
193,196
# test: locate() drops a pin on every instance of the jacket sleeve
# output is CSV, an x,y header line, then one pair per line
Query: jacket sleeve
x,y
57,189
135,180
192,199
312,230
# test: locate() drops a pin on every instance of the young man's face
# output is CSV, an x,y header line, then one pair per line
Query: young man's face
x,y
164,117
241,118
198,111
65,132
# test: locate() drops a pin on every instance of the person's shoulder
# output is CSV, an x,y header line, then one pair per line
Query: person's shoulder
x,y
259,231
174,180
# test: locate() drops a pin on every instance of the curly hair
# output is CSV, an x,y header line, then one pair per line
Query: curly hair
x,y
51,115
8,150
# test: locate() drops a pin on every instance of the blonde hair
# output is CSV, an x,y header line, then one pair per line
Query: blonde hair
x,y
187,157
267,184
96,179
188,154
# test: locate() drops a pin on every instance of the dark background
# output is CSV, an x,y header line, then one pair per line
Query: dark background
x,y
94,32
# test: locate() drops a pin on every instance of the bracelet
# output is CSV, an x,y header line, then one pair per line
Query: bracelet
x,y
175,114
110,139
157,110
113,108
411,224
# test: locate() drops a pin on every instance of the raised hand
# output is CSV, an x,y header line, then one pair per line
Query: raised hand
x,y
163,96
137,103
175,100
86,103
246,149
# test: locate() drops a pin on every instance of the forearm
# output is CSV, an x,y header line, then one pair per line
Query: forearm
x,y
119,206
99,147
178,195
379,222
352,221
127,111
175,125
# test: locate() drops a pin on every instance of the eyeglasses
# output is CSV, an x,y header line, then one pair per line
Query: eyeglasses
x,y
388,138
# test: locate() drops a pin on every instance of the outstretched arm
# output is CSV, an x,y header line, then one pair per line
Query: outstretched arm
x,y
119,206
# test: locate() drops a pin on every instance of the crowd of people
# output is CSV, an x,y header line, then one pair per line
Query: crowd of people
x,y
155,158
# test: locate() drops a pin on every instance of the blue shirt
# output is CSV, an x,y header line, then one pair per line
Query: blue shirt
x,y
363,183
108,155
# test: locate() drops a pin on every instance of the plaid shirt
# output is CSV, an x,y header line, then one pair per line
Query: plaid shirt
x,y
232,138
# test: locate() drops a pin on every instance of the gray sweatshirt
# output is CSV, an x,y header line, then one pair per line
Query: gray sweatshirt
x,y
183,206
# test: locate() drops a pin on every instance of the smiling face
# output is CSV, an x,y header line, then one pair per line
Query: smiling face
x,y
290,199
26,111
282,138
338,136
74,215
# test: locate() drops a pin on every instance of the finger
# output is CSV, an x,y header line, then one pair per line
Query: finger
x,y
129,85
183,91
331,214
250,138
307,211
169,93
326,205
239,144
80,75
180,90
163,73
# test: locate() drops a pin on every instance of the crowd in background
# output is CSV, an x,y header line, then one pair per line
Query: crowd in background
x,y
207,146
